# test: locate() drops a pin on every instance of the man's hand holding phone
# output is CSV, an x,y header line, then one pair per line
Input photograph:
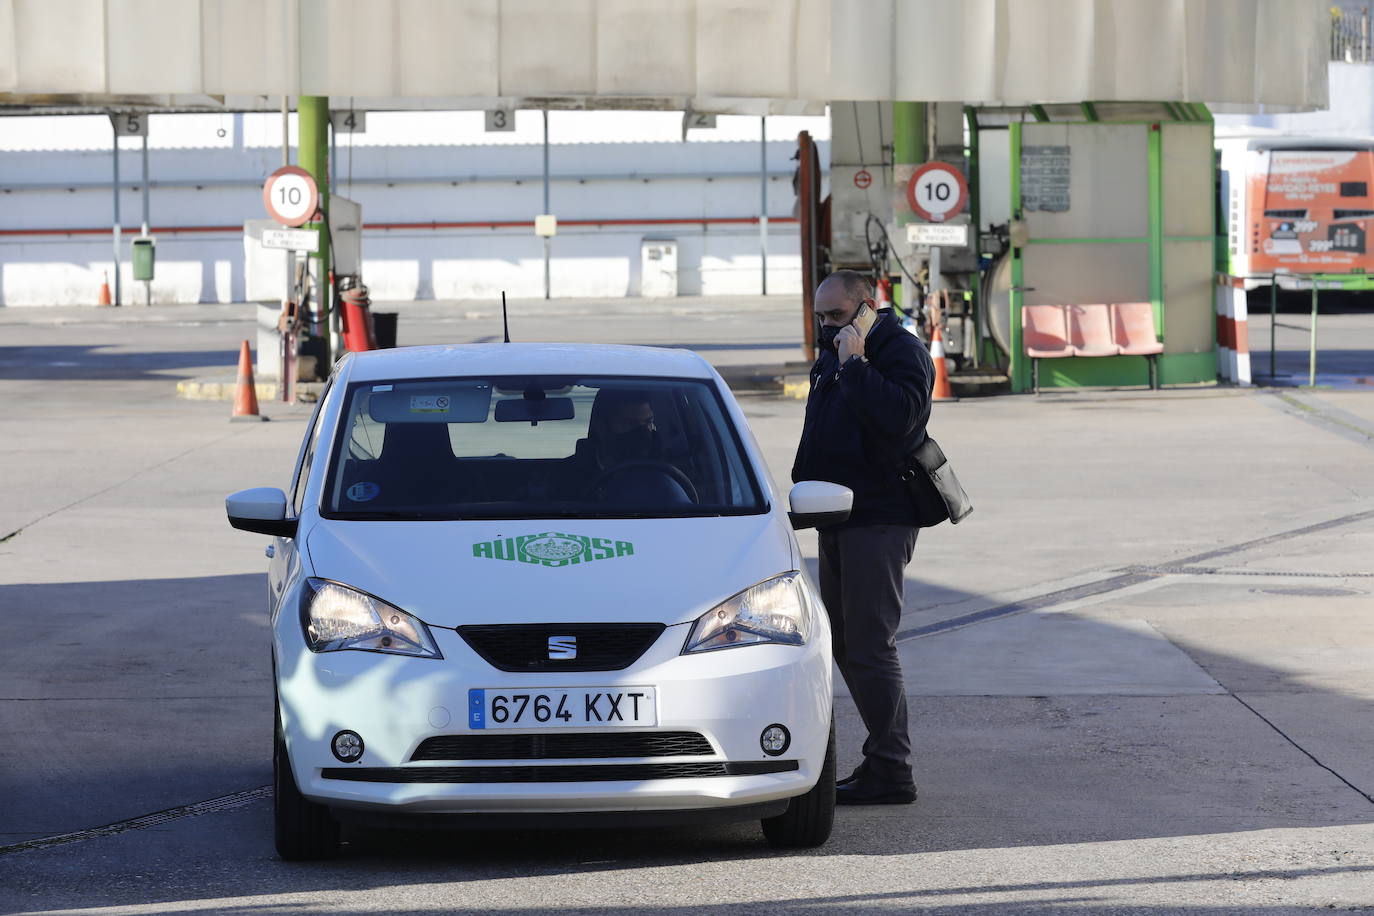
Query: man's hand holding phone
x,y
850,341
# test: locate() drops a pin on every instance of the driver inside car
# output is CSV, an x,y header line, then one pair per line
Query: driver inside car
x,y
621,460
626,431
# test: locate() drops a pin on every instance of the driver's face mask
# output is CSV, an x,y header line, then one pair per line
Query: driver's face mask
x,y
638,442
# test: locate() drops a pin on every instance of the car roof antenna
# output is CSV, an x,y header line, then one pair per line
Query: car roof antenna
x,y
505,322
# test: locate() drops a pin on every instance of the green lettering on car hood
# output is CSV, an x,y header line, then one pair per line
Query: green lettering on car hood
x,y
552,548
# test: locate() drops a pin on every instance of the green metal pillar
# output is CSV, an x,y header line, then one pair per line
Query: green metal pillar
x,y
908,151
1018,368
975,214
313,156
909,133
1155,167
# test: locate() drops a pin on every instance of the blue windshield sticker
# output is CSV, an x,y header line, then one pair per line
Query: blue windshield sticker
x,y
477,708
364,491
381,387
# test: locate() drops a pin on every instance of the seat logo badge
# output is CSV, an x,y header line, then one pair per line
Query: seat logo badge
x,y
562,647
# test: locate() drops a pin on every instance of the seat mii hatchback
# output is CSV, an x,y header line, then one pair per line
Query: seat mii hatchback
x,y
518,584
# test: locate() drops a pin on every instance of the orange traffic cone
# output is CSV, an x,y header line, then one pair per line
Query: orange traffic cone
x,y
245,391
104,290
941,391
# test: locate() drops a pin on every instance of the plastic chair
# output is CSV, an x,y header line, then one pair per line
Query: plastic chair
x,y
1043,334
1133,328
1090,331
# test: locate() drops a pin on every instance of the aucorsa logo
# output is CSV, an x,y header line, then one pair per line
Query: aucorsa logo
x,y
553,549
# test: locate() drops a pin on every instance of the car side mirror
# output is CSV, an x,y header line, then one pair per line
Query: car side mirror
x,y
262,510
816,503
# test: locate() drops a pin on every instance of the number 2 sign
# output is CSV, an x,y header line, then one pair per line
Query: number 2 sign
x,y
291,196
937,191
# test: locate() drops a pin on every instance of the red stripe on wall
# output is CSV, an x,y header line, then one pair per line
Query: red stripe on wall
x,y
486,224
1226,332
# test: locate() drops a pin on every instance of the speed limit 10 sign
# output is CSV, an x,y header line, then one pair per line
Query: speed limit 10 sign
x,y
937,191
291,196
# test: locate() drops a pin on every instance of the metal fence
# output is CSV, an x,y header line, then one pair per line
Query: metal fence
x,y
1350,33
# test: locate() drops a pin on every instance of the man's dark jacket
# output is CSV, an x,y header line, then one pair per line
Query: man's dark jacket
x,y
864,418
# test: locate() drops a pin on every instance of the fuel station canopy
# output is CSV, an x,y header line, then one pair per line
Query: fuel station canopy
x,y
741,56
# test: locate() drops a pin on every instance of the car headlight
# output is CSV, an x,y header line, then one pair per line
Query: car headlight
x,y
775,611
339,617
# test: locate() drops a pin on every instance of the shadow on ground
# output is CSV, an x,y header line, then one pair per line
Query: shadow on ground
x,y
137,696
97,362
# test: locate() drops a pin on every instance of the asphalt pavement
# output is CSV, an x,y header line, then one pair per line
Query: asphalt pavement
x,y
1139,673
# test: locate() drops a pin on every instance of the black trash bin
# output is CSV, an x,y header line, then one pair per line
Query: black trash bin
x,y
384,329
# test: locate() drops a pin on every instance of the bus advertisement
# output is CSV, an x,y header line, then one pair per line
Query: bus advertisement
x,y
1303,207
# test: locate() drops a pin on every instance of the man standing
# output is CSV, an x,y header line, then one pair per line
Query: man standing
x,y
866,412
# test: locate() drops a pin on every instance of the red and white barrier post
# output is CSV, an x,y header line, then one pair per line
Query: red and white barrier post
x,y
1233,331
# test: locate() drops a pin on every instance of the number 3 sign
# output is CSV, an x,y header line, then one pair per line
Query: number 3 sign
x,y
291,196
937,191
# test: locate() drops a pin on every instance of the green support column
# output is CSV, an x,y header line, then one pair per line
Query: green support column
x,y
975,214
313,156
908,151
1018,367
1156,205
909,133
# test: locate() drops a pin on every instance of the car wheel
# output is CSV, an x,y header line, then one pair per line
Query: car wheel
x,y
303,829
808,818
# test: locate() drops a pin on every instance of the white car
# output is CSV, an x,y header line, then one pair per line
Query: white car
x,y
520,583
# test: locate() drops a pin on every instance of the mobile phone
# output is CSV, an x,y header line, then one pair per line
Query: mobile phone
x,y
864,318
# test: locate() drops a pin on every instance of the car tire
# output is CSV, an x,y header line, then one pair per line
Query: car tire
x,y
303,830
809,818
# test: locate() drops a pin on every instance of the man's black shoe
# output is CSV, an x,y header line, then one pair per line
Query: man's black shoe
x,y
864,791
857,774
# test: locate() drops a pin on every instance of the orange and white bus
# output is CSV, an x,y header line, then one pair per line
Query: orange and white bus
x,y
1301,206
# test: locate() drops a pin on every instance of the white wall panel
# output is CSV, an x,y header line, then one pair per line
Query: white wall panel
x,y
627,64
401,176
250,47
148,60
59,45
547,49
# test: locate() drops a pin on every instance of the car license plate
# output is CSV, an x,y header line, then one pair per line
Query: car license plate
x,y
579,707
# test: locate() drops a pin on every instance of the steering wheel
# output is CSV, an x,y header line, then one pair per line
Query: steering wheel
x,y
644,464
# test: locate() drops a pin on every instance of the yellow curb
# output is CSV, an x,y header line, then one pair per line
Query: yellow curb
x,y
797,390
193,390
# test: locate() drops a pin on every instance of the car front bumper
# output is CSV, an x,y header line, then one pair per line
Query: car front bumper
x,y
728,696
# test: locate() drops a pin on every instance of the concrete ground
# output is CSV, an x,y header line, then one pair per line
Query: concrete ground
x,y
1139,673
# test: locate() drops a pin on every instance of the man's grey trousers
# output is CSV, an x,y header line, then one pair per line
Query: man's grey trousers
x,y
861,585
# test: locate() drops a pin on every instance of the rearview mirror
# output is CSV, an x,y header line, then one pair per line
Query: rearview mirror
x,y
515,410
816,504
262,510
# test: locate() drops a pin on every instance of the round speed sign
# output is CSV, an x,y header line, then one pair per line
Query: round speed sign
x,y
291,196
937,191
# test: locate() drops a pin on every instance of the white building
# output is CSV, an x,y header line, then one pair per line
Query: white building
x,y
447,206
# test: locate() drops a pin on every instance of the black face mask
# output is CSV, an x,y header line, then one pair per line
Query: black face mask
x,y
640,442
828,335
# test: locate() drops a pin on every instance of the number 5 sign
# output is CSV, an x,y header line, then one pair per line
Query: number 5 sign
x,y
937,191
291,196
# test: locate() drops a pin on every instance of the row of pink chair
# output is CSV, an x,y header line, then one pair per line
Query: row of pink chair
x,y
1119,329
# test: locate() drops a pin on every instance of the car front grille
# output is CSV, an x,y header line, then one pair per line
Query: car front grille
x,y
613,772
525,647
563,746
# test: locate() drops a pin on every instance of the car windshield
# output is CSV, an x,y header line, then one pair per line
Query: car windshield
x,y
537,447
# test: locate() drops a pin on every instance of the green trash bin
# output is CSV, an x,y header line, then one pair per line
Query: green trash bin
x,y
145,254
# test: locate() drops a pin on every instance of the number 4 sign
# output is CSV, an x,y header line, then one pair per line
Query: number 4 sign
x,y
291,196
937,191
